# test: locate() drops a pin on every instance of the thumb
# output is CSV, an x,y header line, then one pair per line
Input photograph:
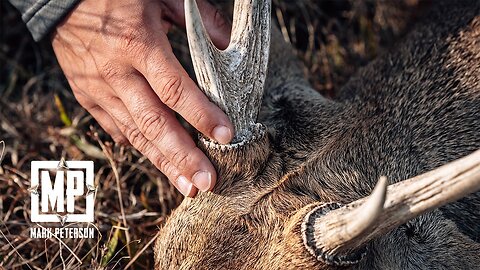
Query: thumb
x,y
217,25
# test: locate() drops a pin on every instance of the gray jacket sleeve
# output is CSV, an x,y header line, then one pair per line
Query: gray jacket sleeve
x,y
41,16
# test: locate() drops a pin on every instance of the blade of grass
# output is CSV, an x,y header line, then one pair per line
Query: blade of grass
x,y
111,247
63,114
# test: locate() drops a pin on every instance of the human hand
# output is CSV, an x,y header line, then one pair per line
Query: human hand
x,y
120,66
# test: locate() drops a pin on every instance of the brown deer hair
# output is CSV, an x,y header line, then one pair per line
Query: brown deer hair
x,y
298,188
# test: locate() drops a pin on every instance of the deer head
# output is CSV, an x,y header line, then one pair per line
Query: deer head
x,y
293,185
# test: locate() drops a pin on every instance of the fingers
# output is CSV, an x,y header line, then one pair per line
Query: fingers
x,y
180,182
218,27
127,126
176,90
138,108
158,125
120,125
102,117
107,123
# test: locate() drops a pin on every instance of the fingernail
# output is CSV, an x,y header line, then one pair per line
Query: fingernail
x,y
184,186
222,134
202,180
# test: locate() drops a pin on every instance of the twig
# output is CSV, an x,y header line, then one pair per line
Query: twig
x,y
2,146
14,248
141,251
60,240
119,191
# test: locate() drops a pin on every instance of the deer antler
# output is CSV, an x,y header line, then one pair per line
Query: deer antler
x,y
233,78
329,233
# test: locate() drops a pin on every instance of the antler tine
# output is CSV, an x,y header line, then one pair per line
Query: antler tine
x,y
234,78
366,215
202,50
348,224
347,228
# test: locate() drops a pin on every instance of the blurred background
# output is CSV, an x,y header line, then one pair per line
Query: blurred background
x,y
40,120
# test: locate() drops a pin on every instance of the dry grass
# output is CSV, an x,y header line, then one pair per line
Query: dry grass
x,y
333,38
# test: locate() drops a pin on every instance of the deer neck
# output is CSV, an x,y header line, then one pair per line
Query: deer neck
x,y
239,163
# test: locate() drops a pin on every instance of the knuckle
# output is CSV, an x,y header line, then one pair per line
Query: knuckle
x,y
133,39
180,159
110,71
200,119
165,167
152,123
136,138
172,90
108,100
129,39
162,164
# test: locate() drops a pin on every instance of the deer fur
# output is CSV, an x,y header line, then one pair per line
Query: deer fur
x,y
411,110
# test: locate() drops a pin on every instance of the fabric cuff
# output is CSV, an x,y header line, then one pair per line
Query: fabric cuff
x,y
43,16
